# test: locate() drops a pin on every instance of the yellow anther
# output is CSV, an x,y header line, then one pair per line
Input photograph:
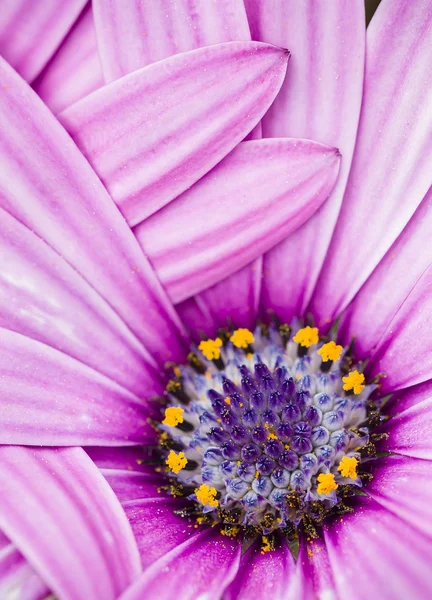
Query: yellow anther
x,y
227,400
354,381
211,348
173,416
348,467
242,338
257,474
249,355
266,545
206,495
176,462
272,436
326,483
330,351
307,336
177,372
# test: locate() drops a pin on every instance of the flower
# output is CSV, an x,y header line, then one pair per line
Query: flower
x,y
88,317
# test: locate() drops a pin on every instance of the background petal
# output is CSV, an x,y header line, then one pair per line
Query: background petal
x,y
260,193
66,521
153,133
393,156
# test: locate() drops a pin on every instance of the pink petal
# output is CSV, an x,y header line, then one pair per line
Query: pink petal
x,y
263,575
410,432
43,297
392,164
155,132
66,521
134,34
391,282
127,457
401,484
320,100
156,527
375,554
176,575
30,32
254,198
131,485
403,354
50,399
405,399
17,578
47,185
196,317
75,71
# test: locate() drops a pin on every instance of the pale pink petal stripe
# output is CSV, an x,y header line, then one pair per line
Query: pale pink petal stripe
x,y
391,171
46,184
31,31
254,198
404,352
62,515
152,134
17,578
43,297
51,399
74,71
136,33
201,567
391,282
320,100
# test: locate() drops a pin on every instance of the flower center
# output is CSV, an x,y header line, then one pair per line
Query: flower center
x,y
268,430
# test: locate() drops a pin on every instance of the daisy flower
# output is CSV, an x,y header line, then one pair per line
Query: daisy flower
x,y
215,350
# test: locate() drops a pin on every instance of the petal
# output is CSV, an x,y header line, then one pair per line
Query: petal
x,y
80,221
391,282
176,574
17,578
30,32
255,197
156,527
404,351
66,521
75,70
392,163
401,484
375,554
410,432
132,35
43,297
196,318
320,100
130,485
152,134
128,457
50,399
263,575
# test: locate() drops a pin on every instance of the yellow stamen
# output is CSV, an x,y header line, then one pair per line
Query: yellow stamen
x,y
206,495
307,336
227,400
265,546
326,483
330,351
211,348
354,381
241,338
173,416
348,467
176,462
272,436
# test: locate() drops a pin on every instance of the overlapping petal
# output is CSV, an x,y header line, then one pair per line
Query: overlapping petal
x,y
403,352
254,198
391,171
47,185
49,398
375,554
152,134
66,521
134,34
200,567
30,32
320,100
75,70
